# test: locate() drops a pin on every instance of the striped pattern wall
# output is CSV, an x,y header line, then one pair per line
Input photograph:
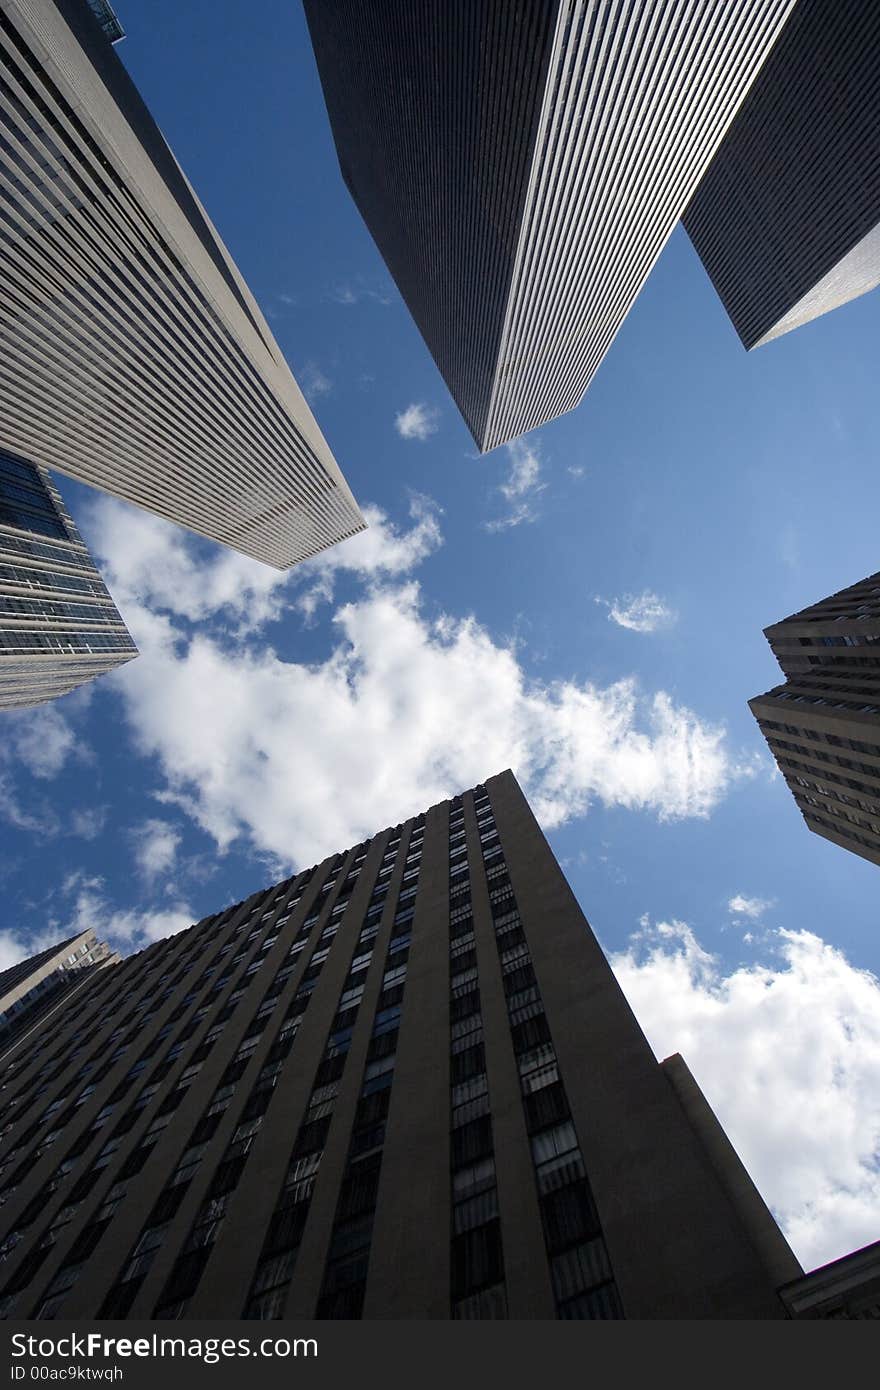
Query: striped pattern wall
x,y
521,164
795,186
59,627
132,355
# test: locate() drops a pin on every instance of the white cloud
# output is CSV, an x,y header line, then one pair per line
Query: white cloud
x,y
788,1056
313,382
418,421
42,739
645,612
380,552
156,843
348,294
520,488
123,928
405,710
157,568
741,906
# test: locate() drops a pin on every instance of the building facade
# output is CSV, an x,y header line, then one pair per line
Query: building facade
x,y
787,219
132,354
520,165
59,626
31,985
846,1288
415,1048
823,724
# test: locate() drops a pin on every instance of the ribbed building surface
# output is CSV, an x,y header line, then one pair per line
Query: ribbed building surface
x,y
402,1084
787,219
59,626
132,355
521,164
823,724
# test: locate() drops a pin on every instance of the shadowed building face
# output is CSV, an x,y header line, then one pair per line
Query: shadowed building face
x,y
787,219
521,164
402,1084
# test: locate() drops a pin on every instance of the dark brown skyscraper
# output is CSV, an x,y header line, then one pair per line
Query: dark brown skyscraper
x,y
402,1084
823,724
787,220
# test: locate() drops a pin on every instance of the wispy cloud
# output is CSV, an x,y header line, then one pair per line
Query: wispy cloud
x,y
155,846
520,488
313,382
645,612
417,421
350,292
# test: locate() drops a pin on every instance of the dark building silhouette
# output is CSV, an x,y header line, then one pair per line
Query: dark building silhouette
x,y
59,627
787,219
845,1288
823,724
402,1084
520,165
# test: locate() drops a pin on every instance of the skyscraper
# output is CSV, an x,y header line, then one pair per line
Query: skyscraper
x,y
132,354
402,1084
823,724
59,626
521,164
787,219
43,980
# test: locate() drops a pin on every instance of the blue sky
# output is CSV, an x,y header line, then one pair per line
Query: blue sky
x,y
698,492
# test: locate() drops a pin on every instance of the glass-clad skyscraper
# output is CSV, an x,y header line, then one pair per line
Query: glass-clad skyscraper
x,y
59,626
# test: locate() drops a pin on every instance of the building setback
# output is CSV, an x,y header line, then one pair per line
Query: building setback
x,y
520,165
59,626
787,219
132,354
823,724
230,1123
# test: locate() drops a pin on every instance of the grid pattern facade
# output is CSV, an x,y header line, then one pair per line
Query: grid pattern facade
x,y
521,166
132,355
783,220
59,626
823,724
283,1110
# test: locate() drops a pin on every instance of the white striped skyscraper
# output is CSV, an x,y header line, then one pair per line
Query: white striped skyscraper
x,y
521,164
132,354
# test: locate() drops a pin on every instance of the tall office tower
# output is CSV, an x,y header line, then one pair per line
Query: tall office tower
x,y
787,219
823,724
402,1084
521,165
40,982
59,626
132,354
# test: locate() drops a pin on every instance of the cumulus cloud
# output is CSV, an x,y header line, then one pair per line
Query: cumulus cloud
x,y
417,421
380,552
788,1056
158,567
40,738
520,488
405,709
125,928
155,846
741,906
645,612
